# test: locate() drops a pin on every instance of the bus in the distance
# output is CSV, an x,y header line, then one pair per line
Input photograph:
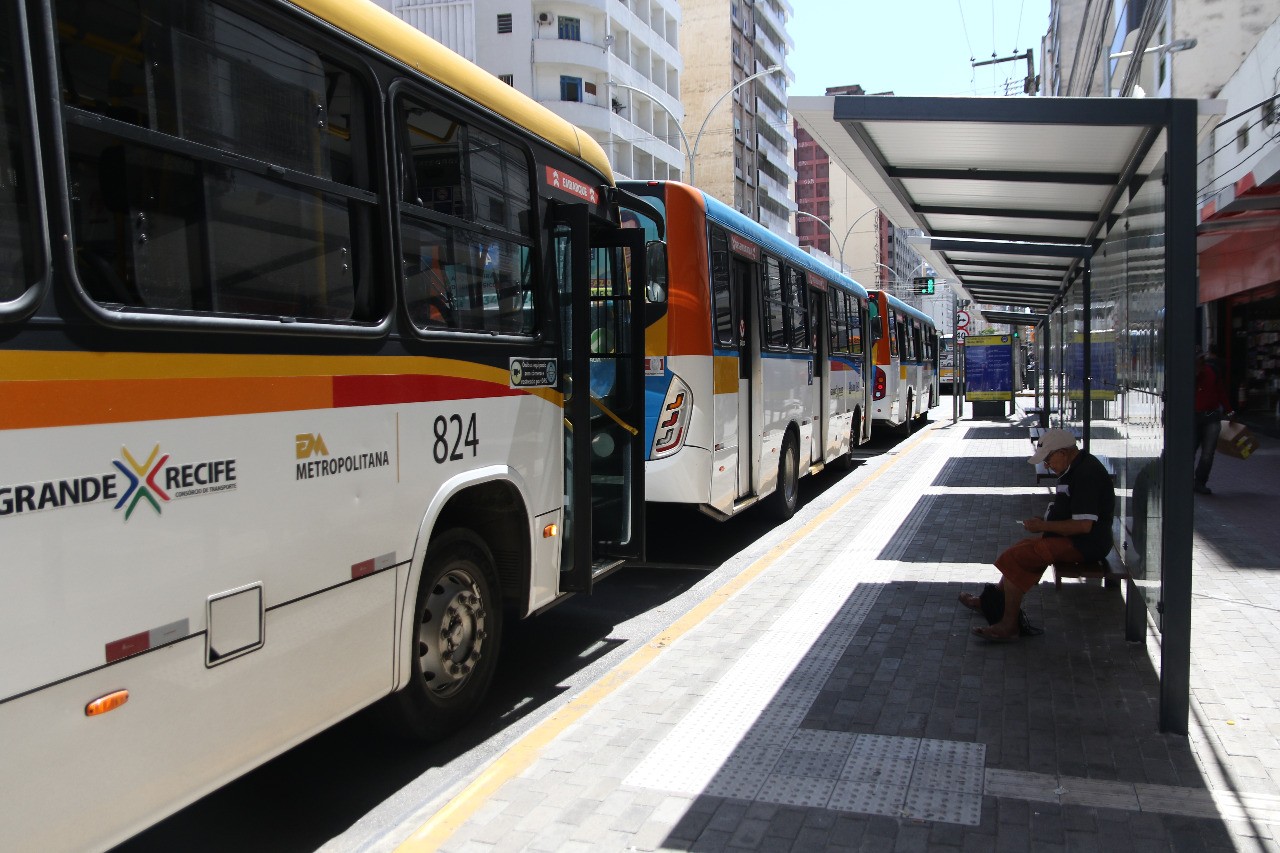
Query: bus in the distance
x,y
904,380
755,353
950,364
298,311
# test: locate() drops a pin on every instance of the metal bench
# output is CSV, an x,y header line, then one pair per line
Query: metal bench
x,y
1111,571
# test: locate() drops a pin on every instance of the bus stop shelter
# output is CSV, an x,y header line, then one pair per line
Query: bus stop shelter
x,y
1076,217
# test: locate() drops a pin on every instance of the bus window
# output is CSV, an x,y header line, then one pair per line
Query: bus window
x,y
797,309
875,322
774,305
839,320
721,291
855,325
19,261
277,223
455,277
893,334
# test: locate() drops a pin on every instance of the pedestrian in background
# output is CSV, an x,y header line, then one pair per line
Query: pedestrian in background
x,y
1211,404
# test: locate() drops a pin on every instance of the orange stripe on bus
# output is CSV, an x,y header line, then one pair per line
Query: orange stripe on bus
x,y
689,297
27,405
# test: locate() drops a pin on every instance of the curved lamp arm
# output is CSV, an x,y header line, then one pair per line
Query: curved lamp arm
x,y
694,156
688,153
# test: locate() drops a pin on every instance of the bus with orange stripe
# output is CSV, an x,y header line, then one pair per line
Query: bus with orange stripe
x,y
904,378
755,359
302,394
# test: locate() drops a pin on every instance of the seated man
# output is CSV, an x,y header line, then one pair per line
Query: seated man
x,y
1076,529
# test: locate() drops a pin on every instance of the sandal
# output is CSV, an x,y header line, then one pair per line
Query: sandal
x,y
971,601
985,633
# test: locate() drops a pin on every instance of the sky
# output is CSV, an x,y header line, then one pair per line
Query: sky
x,y
913,47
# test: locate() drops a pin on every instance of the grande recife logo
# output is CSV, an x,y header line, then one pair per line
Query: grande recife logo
x,y
157,483
152,481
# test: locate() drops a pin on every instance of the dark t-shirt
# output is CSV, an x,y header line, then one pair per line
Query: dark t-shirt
x,y
1085,491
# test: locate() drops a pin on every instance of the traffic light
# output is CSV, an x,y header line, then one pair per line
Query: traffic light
x,y
924,285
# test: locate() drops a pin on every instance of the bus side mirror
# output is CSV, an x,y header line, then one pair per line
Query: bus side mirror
x,y
656,263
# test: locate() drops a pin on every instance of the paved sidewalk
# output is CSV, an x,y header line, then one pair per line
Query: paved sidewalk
x,y
830,695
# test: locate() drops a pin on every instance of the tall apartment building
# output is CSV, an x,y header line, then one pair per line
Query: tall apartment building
x,y
1228,52
853,230
742,133
874,251
613,68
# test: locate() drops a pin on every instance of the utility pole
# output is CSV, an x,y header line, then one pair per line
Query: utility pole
x,y
1030,83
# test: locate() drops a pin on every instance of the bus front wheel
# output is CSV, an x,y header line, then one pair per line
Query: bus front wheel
x,y
458,623
786,495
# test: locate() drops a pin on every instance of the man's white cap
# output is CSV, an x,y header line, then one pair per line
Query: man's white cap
x,y
1051,440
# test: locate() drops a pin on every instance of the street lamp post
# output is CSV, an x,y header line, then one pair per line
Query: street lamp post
x,y
693,157
823,223
688,153
839,243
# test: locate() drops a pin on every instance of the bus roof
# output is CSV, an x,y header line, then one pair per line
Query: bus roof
x,y
723,214
396,38
907,309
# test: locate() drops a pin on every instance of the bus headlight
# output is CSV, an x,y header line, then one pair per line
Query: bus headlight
x,y
673,420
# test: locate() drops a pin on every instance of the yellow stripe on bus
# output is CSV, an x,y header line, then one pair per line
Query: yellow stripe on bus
x,y
725,374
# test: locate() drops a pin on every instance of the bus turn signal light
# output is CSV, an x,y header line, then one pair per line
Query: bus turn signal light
x,y
103,704
672,420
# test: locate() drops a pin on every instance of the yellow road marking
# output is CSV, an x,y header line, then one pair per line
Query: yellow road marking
x,y
521,755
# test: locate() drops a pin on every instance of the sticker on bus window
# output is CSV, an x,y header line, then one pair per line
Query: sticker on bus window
x,y
533,373
655,365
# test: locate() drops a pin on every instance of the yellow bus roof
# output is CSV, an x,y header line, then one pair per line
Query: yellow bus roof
x,y
387,33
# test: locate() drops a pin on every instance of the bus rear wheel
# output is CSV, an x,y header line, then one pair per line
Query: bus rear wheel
x,y
786,495
458,624
846,462
904,429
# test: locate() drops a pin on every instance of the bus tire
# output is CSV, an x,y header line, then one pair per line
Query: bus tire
x,y
458,628
786,494
846,462
904,429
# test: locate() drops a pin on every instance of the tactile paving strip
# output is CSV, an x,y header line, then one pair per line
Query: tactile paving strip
x,y
743,740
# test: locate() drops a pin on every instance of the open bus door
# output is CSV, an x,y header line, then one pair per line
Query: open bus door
x,y
601,300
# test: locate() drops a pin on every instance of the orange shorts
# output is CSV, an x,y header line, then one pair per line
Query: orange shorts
x,y
1024,562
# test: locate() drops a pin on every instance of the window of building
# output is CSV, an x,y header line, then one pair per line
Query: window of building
x,y
1269,112
570,28
570,88
509,79
1242,136
504,22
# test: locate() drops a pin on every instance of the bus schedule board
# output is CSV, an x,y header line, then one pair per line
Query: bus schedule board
x,y
1102,371
988,367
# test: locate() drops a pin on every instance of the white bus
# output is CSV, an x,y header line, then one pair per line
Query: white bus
x,y
756,361
293,305
904,384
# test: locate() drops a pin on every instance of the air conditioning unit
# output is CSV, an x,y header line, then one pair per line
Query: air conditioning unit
x,y
544,17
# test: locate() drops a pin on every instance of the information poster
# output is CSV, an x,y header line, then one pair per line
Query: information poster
x,y
988,366
1102,374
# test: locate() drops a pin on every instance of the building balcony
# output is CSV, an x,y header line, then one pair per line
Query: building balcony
x,y
578,54
768,16
778,225
774,188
